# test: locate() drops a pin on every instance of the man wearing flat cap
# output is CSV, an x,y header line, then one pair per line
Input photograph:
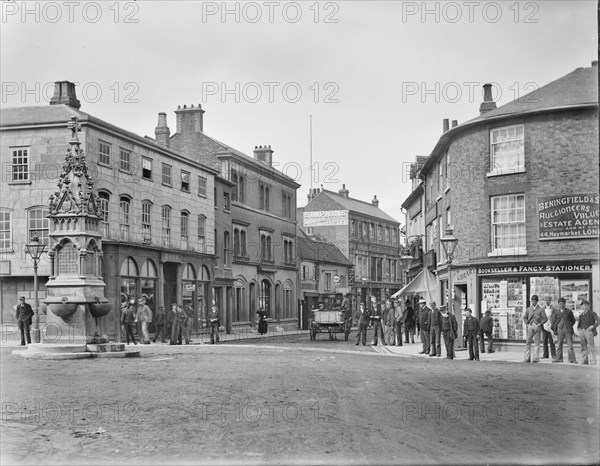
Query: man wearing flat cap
x,y
534,319
24,315
563,321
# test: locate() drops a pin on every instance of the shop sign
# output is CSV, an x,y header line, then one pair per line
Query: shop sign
x,y
573,216
326,218
535,269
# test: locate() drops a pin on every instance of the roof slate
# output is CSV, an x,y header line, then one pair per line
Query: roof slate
x,y
359,207
320,251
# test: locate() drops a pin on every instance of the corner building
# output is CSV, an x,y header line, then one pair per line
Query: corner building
x,y
519,185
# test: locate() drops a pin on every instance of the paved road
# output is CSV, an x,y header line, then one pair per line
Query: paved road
x,y
305,402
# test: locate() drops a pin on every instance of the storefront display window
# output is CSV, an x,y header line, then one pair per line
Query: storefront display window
x,y
504,297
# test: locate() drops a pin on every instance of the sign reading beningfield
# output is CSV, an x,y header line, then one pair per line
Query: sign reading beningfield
x,y
573,216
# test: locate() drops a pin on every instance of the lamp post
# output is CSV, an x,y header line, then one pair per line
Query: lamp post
x,y
35,250
449,243
406,261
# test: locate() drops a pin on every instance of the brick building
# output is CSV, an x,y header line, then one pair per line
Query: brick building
x,y
259,249
519,184
364,233
324,274
158,215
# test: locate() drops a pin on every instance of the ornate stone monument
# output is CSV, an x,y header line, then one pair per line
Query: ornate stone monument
x,y
75,299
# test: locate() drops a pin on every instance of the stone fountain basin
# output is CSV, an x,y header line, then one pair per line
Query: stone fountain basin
x,y
63,310
99,309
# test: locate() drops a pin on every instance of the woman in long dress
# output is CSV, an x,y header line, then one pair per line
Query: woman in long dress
x,y
262,321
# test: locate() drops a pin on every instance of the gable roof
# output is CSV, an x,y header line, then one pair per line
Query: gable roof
x,y
320,251
357,206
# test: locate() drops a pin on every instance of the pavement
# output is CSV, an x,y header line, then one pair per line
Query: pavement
x,y
280,336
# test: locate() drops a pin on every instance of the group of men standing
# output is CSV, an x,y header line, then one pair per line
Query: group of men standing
x,y
544,321
389,321
434,324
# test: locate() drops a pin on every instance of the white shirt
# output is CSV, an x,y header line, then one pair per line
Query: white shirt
x,y
548,324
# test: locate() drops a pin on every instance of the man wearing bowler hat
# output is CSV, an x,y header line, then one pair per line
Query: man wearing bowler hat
x,y
563,321
424,316
534,318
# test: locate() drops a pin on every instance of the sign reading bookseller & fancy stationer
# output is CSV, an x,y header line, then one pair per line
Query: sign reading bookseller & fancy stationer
x,y
573,216
535,269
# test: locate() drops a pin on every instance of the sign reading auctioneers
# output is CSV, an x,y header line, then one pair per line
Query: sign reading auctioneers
x,y
325,218
572,216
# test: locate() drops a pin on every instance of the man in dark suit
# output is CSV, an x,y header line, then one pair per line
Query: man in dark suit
x,y
486,328
470,331
362,315
435,331
424,316
24,315
563,321
376,319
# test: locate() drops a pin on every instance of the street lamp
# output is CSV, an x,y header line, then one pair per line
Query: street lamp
x,y
35,250
449,243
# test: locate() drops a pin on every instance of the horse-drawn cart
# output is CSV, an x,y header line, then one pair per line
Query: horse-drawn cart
x,y
331,322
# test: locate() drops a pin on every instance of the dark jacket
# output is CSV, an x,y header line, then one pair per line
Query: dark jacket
x,y
588,320
214,316
424,317
471,325
563,319
409,316
128,316
362,317
449,324
376,312
436,318
487,324
24,313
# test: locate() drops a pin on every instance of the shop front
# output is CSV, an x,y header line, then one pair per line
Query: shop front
x,y
506,291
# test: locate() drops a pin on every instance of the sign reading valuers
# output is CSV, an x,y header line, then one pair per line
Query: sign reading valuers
x,y
573,216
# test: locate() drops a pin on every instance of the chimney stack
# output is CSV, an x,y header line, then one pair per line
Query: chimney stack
x,y
488,103
344,192
264,155
454,123
375,201
190,119
162,131
64,93
312,193
445,125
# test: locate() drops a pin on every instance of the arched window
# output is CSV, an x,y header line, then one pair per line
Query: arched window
x,y
104,199
149,279
124,206
129,280
166,225
185,229
264,299
202,233
147,222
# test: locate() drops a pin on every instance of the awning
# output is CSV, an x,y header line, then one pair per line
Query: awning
x,y
424,285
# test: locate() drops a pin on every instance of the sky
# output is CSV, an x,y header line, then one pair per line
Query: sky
x,y
378,77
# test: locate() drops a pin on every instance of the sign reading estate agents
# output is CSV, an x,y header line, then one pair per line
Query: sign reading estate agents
x,y
573,216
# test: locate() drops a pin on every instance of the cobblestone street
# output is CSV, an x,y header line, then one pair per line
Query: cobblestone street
x,y
283,402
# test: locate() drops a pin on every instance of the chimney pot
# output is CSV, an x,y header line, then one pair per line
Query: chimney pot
x,y
189,120
344,192
445,124
594,63
454,123
264,155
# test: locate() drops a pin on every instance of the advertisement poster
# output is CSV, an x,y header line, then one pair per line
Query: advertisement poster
x,y
544,286
500,317
574,216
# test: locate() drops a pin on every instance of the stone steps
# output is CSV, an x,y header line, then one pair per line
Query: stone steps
x,y
75,351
